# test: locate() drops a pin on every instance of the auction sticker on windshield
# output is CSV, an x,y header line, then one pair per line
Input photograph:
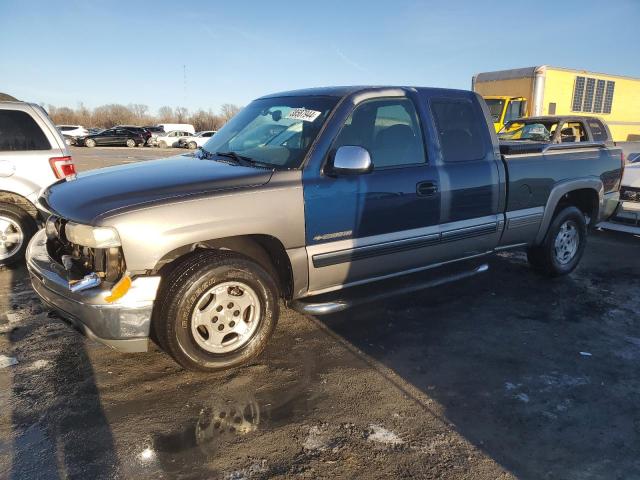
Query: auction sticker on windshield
x,y
303,114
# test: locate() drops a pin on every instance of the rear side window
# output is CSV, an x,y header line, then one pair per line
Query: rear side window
x,y
19,132
598,131
459,129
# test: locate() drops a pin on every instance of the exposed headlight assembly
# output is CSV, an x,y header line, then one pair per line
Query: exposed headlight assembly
x,y
94,237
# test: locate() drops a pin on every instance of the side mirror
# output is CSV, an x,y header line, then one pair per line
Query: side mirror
x,y
351,160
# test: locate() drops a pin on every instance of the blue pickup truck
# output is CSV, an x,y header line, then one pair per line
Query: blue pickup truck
x,y
303,197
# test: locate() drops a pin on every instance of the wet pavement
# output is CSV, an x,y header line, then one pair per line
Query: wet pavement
x,y
505,375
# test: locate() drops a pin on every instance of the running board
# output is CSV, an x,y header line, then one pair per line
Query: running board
x,y
334,302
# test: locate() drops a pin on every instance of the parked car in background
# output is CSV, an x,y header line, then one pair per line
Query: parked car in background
x,y
154,129
33,155
197,140
170,139
71,132
113,137
352,185
185,127
146,134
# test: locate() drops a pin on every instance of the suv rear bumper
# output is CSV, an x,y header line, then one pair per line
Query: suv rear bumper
x,y
123,325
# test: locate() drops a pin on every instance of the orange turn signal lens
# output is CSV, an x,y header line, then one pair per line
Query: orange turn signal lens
x,y
120,289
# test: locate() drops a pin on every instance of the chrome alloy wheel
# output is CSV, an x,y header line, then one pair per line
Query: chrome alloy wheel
x,y
11,237
566,242
225,317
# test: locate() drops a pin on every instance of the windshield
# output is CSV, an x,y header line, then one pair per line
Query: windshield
x,y
536,131
495,108
274,131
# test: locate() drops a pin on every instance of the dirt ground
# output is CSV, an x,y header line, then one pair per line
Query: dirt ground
x,y
504,375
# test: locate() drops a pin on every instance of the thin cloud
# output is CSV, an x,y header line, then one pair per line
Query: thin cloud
x,y
351,62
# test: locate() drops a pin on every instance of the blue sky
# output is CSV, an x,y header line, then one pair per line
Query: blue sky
x,y
66,52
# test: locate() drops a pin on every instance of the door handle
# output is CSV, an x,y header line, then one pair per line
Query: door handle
x,y
428,188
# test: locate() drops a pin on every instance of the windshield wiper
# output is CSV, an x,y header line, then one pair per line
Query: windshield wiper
x,y
238,159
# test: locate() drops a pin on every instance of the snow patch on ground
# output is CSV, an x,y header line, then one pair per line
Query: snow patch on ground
x,y
318,439
37,365
379,434
248,472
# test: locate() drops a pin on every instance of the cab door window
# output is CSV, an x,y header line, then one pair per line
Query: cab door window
x,y
388,129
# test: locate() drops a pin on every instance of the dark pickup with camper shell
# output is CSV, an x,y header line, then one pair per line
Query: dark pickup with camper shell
x,y
301,195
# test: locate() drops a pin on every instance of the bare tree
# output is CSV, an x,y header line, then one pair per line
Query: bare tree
x,y
107,116
140,113
228,111
181,114
165,114
202,120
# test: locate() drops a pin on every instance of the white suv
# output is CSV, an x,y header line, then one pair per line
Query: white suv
x,y
71,132
33,155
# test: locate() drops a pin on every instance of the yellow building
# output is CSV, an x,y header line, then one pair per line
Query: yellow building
x,y
549,90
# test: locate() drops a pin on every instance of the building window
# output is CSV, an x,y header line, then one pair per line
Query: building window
x,y
578,94
592,95
597,102
608,97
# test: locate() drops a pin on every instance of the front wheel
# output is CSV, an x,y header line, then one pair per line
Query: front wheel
x,y
563,246
217,310
90,143
16,229
192,145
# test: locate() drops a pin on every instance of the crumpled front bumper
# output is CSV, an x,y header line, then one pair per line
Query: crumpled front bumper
x,y
123,325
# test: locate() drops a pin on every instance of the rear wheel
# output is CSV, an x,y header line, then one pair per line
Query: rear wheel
x,y
217,310
192,145
90,142
131,143
162,144
564,244
16,229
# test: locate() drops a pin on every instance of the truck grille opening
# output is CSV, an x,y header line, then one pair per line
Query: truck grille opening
x,y
108,263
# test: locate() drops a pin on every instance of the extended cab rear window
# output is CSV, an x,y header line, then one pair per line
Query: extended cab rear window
x,y
598,131
19,132
459,129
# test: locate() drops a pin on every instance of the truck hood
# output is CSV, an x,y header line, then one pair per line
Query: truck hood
x,y
115,189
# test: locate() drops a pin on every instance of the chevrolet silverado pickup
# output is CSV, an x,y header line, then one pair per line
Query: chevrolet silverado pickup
x,y
303,197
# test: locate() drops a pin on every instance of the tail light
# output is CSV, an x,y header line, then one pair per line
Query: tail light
x,y
62,166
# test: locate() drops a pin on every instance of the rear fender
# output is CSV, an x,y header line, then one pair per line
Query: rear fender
x,y
559,191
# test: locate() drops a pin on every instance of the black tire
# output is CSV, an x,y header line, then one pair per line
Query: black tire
x,y
181,291
131,143
545,258
25,223
89,142
192,145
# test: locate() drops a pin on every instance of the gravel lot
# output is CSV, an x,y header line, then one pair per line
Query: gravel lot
x,y
505,375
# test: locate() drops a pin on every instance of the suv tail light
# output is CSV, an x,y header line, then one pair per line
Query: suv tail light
x,y
62,166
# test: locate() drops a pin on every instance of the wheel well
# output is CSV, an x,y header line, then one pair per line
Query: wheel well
x,y
20,201
585,199
266,250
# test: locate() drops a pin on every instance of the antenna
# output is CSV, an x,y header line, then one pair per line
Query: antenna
x,y
184,77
